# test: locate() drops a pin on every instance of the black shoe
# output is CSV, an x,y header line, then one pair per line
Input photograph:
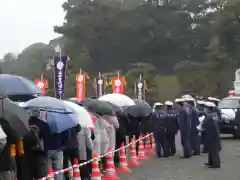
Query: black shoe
x,y
196,154
185,157
206,164
214,167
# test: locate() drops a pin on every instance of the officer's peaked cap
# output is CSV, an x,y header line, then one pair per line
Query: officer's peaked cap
x,y
179,100
213,99
209,104
169,103
200,102
158,104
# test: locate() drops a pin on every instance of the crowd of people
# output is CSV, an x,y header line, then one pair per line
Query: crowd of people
x,y
26,158
197,123
31,156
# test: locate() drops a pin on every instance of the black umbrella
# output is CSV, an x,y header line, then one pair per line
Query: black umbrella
x,y
141,103
141,109
17,85
138,111
98,107
16,117
114,107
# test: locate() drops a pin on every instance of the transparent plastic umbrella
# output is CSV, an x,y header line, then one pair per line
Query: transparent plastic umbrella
x,y
118,99
83,117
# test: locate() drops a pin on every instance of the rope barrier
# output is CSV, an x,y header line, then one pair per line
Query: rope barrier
x,y
91,160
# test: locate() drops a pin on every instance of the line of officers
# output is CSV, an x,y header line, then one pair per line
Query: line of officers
x,y
197,126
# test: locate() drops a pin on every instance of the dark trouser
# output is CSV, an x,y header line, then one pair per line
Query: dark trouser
x,y
195,143
71,154
7,175
162,145
171,142
33,165
89,165
203,142
137,143
186,147
214,158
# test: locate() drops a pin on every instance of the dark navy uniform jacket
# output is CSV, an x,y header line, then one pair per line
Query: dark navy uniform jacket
x,y
194,120
211,132
184,122
159,122
172,121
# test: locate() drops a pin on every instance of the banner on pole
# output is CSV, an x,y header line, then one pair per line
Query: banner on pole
x,y
118,84
101,84
81,86
60,69
42,84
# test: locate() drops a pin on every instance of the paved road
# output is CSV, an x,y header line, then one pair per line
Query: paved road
x,y
174,168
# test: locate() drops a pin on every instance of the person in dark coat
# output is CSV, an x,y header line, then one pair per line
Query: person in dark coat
x,y
212,142
121,132
215,109
194,132
171,127
71,151
7,162
184,126
33,163
201,115
159,124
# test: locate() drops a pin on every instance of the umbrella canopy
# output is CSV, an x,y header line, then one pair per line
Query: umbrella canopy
x,y
118,99
57,121
48,103
138,111
84,119
17,85
114,107
16,116
141,103
98,107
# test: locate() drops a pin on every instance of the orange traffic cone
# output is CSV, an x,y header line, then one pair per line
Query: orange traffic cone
x,y
96,175
148,148
133,155
141,152
76,171
50,175
123,165
153,143
110,173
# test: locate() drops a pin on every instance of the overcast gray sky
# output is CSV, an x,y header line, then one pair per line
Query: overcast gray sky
x,y
23,22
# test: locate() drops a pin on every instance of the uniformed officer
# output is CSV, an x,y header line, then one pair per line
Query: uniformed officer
x,y
215,109
171,127
212,141
184,127
160,131
200,107
159,106
201,115
194,122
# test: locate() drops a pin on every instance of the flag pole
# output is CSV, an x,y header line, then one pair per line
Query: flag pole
x,y
41,78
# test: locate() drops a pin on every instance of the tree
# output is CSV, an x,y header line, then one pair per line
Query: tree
x,y
191,76
10,57
220,70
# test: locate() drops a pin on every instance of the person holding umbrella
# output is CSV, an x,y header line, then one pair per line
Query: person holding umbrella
x,y
7,162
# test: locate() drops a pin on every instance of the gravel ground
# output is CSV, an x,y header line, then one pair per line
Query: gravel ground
x,y
174,168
